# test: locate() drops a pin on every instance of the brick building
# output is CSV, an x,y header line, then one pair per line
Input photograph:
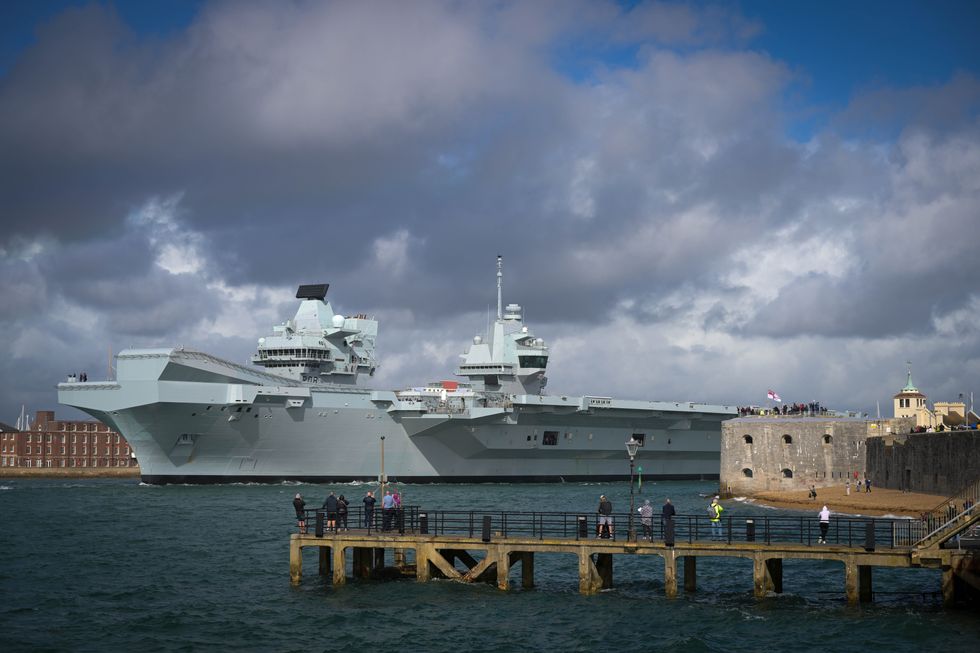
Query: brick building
x,y
64,443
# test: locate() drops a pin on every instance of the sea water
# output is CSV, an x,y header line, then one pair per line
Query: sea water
x,y
103,565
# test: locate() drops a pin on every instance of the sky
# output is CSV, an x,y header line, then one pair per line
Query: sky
x,y
694,201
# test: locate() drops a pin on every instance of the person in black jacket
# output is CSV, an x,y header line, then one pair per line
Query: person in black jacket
x,y
330,507
342,504
605,518
299,505
666,515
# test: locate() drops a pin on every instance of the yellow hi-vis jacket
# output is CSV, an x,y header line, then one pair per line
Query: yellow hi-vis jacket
x,y
716,509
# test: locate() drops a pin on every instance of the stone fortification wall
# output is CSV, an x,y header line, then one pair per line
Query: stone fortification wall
x,y
760,454
933,463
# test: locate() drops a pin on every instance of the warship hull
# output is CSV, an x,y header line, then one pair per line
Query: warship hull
x,y
194,418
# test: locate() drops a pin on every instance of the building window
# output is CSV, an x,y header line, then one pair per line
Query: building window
x,y
73,451
28,462
49,463
49,437
787,473
49,449
747,473
827,438
787,438
74,438
62,450
29,437
748,440
549,438
28,448
107,439
62,463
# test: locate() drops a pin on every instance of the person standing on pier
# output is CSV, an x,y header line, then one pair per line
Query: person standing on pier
x,y
369,502
666,516
330,507
646,519
342,504
824,525
387,510
300,505
605,518
714,514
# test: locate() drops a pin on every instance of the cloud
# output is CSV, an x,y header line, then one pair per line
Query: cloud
x,y
630,164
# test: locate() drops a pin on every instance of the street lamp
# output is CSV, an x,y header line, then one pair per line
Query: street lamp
x,y
631,446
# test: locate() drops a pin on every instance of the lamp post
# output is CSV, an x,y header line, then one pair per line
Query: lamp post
x,y
381,478
631,446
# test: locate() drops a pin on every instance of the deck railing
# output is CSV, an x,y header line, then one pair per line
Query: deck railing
x,y
768,529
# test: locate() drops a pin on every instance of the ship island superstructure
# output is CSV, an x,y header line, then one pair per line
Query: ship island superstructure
x,y
303,412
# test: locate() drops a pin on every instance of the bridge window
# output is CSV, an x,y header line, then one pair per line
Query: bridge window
x,y
787,473
550,438
827,439
747,473
533,361
787,438
640,437
747,438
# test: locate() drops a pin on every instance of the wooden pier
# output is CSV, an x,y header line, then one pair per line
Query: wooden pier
x,y
485,558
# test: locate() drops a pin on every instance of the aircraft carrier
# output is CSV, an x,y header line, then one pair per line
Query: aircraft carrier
x,y
303,412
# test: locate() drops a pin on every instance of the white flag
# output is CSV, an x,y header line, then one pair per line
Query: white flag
x,y
775,397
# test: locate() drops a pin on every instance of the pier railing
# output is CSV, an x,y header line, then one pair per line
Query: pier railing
x,y
768,529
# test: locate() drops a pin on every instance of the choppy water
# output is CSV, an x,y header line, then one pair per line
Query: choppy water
x,y
112,565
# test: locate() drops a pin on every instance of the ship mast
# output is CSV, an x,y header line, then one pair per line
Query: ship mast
x,y
500,281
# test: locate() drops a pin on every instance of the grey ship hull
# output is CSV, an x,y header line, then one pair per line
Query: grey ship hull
x,y
193,418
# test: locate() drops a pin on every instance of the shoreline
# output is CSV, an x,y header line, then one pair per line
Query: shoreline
x,y
69,472
877,503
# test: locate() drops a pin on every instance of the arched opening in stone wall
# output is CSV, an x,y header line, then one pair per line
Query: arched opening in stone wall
x,y
747,473
747,438
787,473
827,438
787,438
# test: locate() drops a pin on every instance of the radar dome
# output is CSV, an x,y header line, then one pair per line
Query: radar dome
x,y
338,321
539,342
477,340
523,329
261,341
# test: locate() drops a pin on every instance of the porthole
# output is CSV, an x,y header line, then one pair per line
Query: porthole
x,y
787,473
827,439
747,473
787,438
747,438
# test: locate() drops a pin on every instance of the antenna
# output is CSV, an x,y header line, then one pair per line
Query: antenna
x,y
500,285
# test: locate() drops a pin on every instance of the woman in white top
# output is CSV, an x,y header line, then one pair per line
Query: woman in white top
x,y
824,525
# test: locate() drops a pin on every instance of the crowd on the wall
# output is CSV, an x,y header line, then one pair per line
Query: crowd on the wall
x,y
812,408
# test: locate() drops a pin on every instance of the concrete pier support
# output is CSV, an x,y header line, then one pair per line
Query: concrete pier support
x,y
399,555
589,581
295,561
857,582
526,558
527,570
362,561
864,584
670,573
323,560
690,574
423,569
949,586
339,565
379,558
503,567
604,565
767,575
